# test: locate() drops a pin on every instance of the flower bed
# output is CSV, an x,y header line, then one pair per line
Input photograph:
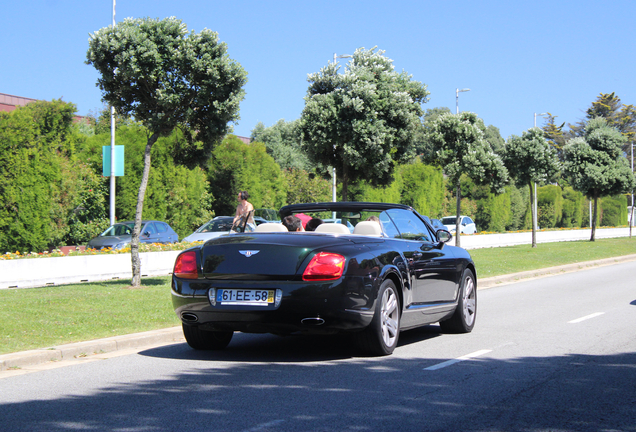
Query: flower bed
x,y
81,250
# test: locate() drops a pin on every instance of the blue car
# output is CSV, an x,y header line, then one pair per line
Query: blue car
x,y
120,235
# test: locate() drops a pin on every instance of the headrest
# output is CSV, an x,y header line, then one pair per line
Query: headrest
x,y
334,228
368,228
270,227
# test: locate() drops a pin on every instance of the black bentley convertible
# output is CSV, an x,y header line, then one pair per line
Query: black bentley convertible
x,y
393,273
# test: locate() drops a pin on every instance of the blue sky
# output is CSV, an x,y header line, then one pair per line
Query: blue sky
x,y
517,57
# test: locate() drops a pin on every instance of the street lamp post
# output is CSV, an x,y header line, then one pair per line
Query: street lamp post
x,y
536,212
333,174
458,233
112,152
457,92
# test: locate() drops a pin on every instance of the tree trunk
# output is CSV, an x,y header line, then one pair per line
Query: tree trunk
x,y
534,217
134,243
594,217
457,219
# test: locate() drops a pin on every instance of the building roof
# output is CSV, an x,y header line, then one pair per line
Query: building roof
x,y
10,102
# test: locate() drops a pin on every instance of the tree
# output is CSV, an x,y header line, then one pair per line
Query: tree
x,y
165,77
554,134
236,166
619,116
422,147
530,159
595,165
176,194
283,142
433,114
304,187
493,137
460,148
362,121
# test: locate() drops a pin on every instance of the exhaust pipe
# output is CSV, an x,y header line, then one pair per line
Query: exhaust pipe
x,y
312,321
189,317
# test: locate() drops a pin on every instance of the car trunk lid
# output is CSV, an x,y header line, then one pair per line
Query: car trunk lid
x,y
261,256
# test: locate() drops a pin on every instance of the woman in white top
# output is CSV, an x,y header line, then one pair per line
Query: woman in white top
x,y
244,211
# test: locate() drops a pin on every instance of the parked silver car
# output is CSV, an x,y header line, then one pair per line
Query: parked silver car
x,y
217,227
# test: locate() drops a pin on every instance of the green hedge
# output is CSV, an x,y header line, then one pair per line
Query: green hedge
x,y
236,166
574,208
422,188
38,180
550,206
176,194
613,211
416,184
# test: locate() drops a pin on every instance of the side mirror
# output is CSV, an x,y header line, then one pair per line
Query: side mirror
x,y
443,236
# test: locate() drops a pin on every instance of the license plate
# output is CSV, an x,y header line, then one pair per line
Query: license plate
x,y
245,297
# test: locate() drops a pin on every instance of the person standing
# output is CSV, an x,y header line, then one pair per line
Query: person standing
x,y
244,218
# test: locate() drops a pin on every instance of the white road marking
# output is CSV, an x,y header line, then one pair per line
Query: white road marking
x,y
458,359
265,426
594,315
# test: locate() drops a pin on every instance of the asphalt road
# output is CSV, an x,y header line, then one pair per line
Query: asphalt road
x,y
551,354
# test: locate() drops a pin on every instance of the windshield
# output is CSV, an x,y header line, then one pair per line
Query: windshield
x,y
449,220
267,214
216,225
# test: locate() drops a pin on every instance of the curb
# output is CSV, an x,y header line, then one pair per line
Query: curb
x,y
76,350
550,271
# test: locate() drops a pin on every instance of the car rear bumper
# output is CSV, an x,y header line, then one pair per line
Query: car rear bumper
x,y
318,308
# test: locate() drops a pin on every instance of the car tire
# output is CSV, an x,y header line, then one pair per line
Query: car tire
x,y
381,336
463,320
206,340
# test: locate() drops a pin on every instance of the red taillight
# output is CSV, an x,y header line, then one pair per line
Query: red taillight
x,y
186,266
324,266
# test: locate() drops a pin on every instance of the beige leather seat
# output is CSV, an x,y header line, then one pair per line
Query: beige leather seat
x,y
271,227
368,228
334,228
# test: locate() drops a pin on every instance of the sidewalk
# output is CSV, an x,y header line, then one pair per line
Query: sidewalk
x,y
137,341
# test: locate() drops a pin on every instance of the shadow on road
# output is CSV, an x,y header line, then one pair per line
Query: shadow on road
x,y
265,348
565,393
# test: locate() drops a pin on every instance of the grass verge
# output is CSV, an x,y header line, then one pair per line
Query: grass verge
x,y
43,317
512,259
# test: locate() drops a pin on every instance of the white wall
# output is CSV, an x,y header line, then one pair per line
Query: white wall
x,y
34,272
